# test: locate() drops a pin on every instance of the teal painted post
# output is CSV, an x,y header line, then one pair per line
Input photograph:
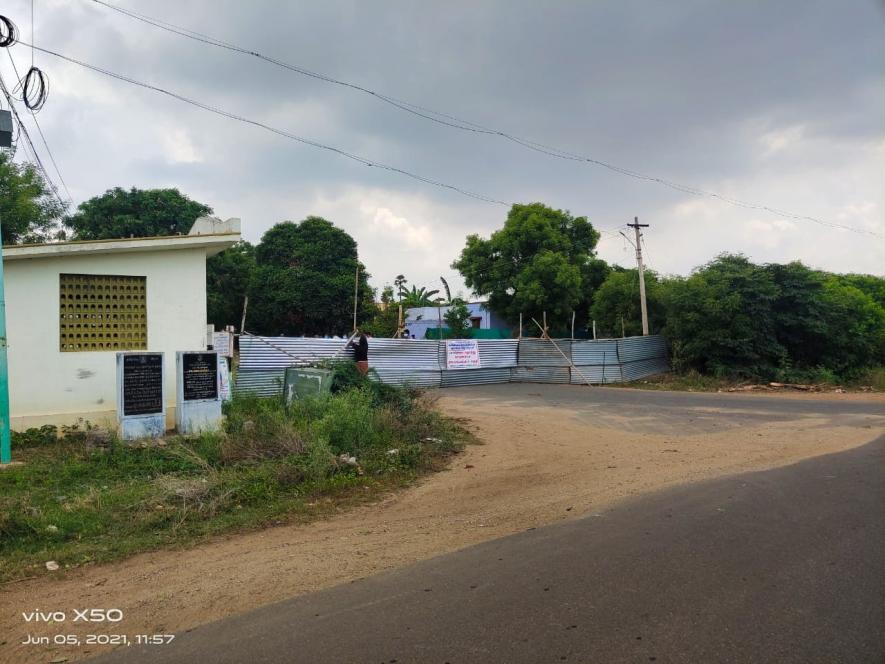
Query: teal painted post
x,y
5,447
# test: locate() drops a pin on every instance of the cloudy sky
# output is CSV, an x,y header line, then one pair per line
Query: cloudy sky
x,y
780,103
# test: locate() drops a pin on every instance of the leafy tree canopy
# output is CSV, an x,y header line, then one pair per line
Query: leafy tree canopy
x,y
227,281
799,313
419,297
617,299
303,281
720,319
29,211
866,283
541,260
118,213
856,329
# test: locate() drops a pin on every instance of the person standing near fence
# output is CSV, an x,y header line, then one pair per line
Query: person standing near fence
x,y
361,353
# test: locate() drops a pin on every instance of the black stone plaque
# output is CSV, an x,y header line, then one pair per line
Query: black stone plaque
x,y
199,375
142,384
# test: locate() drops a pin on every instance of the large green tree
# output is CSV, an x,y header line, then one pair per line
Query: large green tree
x,y
720,319
541,260
800,315
867,283
29,211
303,281
227,282
617,299
856,326
776,321
119,213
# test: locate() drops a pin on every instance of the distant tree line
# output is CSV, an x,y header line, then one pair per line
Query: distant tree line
x,y
729,317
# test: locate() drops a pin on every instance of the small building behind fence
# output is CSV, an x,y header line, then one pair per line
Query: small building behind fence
x,y
419,320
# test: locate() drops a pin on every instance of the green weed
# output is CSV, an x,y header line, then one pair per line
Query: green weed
x,y
83,497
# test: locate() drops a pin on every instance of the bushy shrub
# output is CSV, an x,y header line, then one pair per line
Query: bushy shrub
x,y
349,424
732,318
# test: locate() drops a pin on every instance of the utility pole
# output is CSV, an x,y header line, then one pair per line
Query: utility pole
x,y
5,447
638,246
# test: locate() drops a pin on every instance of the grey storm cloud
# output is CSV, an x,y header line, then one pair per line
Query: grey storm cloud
x,y
777,103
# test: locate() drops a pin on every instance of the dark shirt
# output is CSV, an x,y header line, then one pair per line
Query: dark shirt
x,y
361,349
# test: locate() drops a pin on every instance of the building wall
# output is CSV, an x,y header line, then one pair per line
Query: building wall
x,y
430,318
48,386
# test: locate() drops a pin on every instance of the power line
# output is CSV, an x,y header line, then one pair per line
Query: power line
x,y
466,125
43,136
280,132
38,163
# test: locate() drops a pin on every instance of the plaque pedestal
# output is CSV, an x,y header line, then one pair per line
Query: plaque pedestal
x,y
197,401
141,398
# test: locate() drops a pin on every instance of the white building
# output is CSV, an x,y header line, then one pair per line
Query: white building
x,y
71,306
420,319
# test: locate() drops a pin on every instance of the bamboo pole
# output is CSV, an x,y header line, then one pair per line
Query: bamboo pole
x,y
544,335
243,319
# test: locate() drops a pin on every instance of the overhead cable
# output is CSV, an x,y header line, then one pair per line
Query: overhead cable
x,y
280,132
43,138
469,126
38,163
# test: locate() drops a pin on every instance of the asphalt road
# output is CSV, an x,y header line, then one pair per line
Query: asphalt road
x,y
780,566
676,412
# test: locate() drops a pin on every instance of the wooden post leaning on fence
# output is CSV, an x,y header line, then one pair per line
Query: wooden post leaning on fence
x,y
546,336
400,326
243,319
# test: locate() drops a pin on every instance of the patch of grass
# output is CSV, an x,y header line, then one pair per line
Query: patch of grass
x,y
80,498
693,381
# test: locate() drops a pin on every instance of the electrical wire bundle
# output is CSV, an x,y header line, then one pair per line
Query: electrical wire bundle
x,y
8,32
34,89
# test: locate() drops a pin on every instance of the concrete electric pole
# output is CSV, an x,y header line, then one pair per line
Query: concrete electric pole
x,y
5,447
638,246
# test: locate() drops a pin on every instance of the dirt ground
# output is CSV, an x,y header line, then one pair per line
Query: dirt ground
x,y
539,464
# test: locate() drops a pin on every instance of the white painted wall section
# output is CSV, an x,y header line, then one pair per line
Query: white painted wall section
x,y
48,386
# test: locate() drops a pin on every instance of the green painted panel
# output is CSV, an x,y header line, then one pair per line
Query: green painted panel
x,y
302,382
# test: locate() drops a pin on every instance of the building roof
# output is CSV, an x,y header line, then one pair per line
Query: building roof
x,y
428,313
212,243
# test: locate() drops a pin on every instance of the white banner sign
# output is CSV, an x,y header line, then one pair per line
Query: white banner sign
x,y
221,343
223,379
462,354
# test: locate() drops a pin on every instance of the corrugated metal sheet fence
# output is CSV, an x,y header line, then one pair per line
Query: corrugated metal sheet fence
x,y
422,363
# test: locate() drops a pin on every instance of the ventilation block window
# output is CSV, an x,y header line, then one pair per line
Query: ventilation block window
x,y
102,312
